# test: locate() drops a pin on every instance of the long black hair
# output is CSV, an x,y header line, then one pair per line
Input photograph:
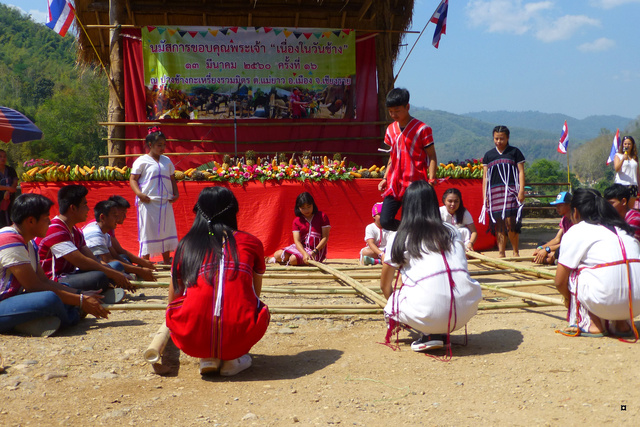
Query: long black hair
x,y
594,209
421,226
304,199
461,208
211,232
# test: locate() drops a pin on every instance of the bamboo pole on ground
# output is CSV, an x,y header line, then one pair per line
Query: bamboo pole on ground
x,y
153,353
527,295
498,262
381,301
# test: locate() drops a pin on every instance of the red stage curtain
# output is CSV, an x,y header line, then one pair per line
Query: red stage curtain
x,y
249,137
266,210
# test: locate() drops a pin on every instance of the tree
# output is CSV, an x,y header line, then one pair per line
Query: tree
x,y
545,171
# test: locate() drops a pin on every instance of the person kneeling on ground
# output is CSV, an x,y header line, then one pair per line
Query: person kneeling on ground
x,y
98,238
214,311
437,295
619,195
598,270
547,253
30,303
65,257
117,251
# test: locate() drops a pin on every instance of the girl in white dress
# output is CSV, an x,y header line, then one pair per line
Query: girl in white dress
x,y
625,164
153,181
598,270
437,295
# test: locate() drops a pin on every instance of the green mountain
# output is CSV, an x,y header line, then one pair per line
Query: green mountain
x,y
579,130
460,137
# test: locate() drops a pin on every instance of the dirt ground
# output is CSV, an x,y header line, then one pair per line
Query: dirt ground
x,y
328,370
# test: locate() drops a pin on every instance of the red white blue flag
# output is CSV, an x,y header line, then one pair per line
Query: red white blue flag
x,y
439,18
564,139
61,15
615,145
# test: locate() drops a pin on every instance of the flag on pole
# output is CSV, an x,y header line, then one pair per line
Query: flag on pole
x,y
439,18
614,146
61,15
564,139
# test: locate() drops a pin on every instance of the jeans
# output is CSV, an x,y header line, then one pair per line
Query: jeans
x,y
90,280
34,305
390,208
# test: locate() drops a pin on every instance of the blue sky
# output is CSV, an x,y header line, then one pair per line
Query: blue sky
x,y
575,57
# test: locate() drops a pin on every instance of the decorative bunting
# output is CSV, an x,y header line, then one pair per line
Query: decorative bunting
x,y
214,33
193,34
150,29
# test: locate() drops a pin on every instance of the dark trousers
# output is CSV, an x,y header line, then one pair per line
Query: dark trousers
x,y
390,207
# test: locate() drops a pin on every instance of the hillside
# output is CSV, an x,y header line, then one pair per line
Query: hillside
x,y
461,137
579,130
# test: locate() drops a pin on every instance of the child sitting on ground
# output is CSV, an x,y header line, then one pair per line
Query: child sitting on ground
x,y
549,252
453,212
376,239
619,196
310,235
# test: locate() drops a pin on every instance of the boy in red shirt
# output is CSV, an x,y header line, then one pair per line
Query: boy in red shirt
x,y
618,195
412,156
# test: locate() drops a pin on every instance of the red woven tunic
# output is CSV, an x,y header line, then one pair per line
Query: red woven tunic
x,y
224,318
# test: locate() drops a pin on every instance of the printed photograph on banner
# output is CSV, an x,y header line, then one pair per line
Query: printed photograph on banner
x,y
212,73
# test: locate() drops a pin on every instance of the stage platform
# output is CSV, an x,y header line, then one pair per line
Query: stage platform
x,y
266,209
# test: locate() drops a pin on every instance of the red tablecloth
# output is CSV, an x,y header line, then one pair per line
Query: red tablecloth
x,y
266,210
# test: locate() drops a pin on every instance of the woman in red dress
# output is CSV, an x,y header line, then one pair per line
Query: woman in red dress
x,y
214,311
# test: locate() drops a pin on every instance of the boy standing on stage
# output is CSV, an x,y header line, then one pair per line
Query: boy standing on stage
x,y
412,156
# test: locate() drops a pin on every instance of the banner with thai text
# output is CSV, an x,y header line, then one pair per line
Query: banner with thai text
x,y
249,72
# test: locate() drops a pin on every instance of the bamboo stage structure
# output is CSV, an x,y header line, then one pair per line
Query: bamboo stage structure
x,y
153,353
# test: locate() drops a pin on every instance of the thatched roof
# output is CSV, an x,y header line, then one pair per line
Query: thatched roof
x,y
386,17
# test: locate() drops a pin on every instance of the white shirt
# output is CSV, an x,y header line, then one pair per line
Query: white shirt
x,y
628,174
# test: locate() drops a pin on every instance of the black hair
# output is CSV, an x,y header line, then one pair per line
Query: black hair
x,y
421,226
30,205
70,195
634,150
618,192
594,209
103,208
304,199
461,208
501,129
120,201
397,97
154,136
211,232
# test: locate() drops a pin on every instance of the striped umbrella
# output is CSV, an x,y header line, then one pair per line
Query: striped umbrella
x,y
14,126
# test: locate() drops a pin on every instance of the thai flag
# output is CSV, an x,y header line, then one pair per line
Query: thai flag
x,y
614,147
439,18
61,15
564,139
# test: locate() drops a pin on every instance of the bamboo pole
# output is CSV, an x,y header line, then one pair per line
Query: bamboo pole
x,y
526,304
527,295
153,353
521,283
498,262
381,301
272,267
363,276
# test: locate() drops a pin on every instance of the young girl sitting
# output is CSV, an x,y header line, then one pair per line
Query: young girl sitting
x,y
453,212
310,234
376,239
437,295
214,310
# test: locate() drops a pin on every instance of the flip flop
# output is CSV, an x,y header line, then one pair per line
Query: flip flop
x,y
584,333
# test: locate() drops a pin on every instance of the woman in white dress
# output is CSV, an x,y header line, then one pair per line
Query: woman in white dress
x,y
625,164
598,270
153,181
437,295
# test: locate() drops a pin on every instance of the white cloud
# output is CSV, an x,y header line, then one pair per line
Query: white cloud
x,y
36,15
610,4
505,16
564,27
598,45
627,75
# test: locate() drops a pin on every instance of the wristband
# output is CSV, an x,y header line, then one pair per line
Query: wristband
x,y
81,297
540,248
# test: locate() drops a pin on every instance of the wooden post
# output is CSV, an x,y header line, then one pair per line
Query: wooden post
x,y
116,90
